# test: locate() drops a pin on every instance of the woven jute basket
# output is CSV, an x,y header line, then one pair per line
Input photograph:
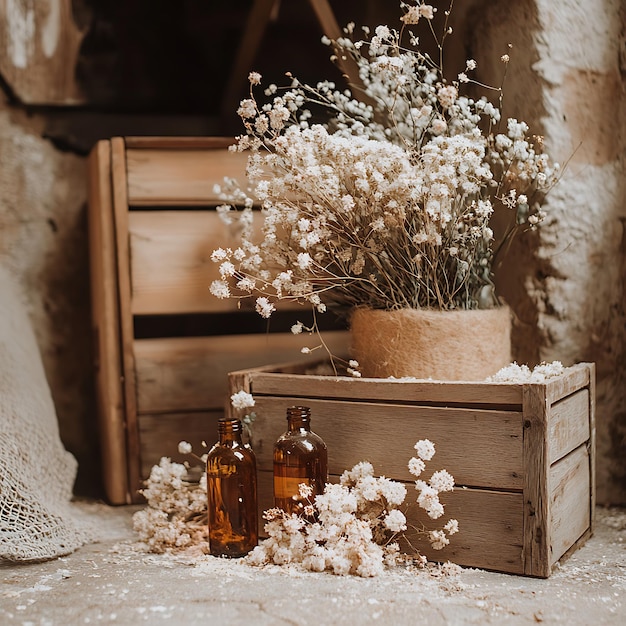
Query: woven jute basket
x,y
430,344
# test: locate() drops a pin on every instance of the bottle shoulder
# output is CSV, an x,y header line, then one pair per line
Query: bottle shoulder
x,y
237,453
304,440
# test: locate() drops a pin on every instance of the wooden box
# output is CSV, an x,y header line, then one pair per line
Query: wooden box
x,y
163,344
522,455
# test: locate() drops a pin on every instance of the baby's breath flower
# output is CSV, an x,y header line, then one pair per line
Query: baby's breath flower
x,y
184,447
425,449
387,204
264,307
242,400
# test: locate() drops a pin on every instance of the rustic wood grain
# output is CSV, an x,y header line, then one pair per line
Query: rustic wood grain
x,y
570,504
120,212
107,341
486,541
479,448
171,262
160,435
536,498
592,443
507,396
568,424
181,177
576,376
191,373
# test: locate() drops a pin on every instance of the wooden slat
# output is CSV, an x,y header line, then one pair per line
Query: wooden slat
x,y
574,378
536,500
104,304
120,212
568,426
570,506
592,444
341,387
160,435
490,526
191,373
490,454
182,176
171,261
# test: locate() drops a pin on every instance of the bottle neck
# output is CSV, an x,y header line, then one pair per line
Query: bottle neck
x,y
298,418
229,430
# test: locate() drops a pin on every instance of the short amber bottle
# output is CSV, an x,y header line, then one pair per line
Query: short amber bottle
x,y
232,493
300,456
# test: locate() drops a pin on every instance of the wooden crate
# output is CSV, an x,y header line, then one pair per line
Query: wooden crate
x,y
522,454
163,344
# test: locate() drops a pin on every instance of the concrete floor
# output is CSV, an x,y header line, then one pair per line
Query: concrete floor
x,y
114,581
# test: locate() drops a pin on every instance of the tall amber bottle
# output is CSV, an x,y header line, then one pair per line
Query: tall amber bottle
x,y
232,493
300,456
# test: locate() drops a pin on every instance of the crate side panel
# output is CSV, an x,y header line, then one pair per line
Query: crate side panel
x,y
506,396
184,176
106,328
191,373
574,378
479,448
568,424
570,501
490,526
124,286
160,434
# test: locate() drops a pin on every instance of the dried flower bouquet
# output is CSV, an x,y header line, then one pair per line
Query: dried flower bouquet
x,y
388,203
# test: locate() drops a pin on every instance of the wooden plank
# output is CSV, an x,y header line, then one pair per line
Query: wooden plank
x,y
536,499
490,525
568,424
592,444
160,435
171,262
570,503
180,177
479,448
191,373
104,305
575,378
372,389
120,211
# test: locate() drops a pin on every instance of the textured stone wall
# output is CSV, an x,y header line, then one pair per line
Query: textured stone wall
x,y
567,78
43,242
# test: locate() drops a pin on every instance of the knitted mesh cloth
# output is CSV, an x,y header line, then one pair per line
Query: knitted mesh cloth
x,y
36,473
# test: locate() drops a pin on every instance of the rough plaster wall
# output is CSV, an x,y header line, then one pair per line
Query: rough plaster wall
x,y
43,240
584,315
565,80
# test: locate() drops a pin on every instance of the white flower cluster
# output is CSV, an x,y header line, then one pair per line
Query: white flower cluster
x,y
388,203
176,515
352,527
515,373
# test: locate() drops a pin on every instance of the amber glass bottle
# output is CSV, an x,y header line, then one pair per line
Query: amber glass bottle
x,y
232,493
300,456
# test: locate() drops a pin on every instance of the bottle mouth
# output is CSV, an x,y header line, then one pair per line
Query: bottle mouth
x,y
299,411
229,425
